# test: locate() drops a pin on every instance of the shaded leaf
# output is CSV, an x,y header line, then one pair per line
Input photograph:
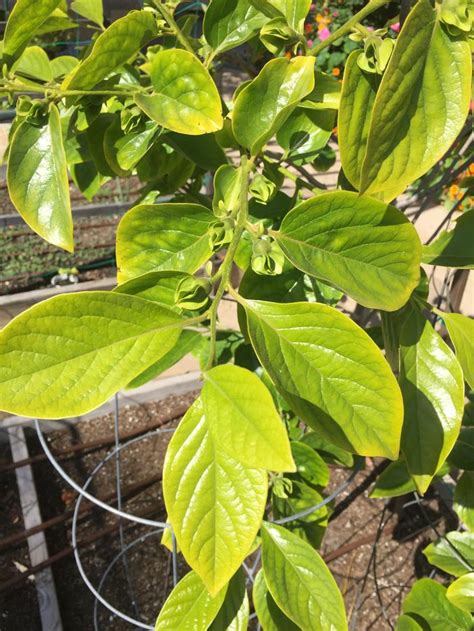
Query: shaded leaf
x,y
234,613
464,499
461,332
270,616
453,248
433,392
145,241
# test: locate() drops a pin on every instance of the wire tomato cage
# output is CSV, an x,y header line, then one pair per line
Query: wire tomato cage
x,y
156,527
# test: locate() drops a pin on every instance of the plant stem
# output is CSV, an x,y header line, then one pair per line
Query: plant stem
x,y
369,8
181,37
226,267
56,91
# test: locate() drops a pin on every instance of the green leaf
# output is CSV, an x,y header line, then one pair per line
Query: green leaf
x,y
394,481
214,503
364,247
464,499
145,241
453,248
90,9
234,613
421,105
269,100
38,182
407,623
269,615
309,464
115,46
157,286
461,592
461,332
294,11
305,132
453,554
326,93
187,343
185,98
34,63
202,150
132,147
300,582
24,21
462,455
331,453
427,603
243,419
60,66
69,354
357,100
230,23
310,528
189,606
433,392
332,374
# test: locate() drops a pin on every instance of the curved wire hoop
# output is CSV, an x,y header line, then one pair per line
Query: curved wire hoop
x,y
158,526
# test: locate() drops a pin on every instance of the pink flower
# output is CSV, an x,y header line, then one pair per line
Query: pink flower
x,y
395,27
312,7
323,34
335,14
310,43
370,28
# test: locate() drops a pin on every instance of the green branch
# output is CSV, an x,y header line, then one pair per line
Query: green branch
x,y
226,267
370,7
181,37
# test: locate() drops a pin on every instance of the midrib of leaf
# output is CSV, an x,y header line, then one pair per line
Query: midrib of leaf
x,y
347,260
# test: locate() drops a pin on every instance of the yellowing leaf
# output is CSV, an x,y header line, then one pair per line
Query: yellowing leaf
x,y
421,105
185,98
189,606
243,419
214,503
38,182
69,354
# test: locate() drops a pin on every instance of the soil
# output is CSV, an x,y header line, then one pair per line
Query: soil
x,y
27,262
373,579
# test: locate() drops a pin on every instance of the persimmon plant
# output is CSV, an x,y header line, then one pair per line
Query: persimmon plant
x,y
301,384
